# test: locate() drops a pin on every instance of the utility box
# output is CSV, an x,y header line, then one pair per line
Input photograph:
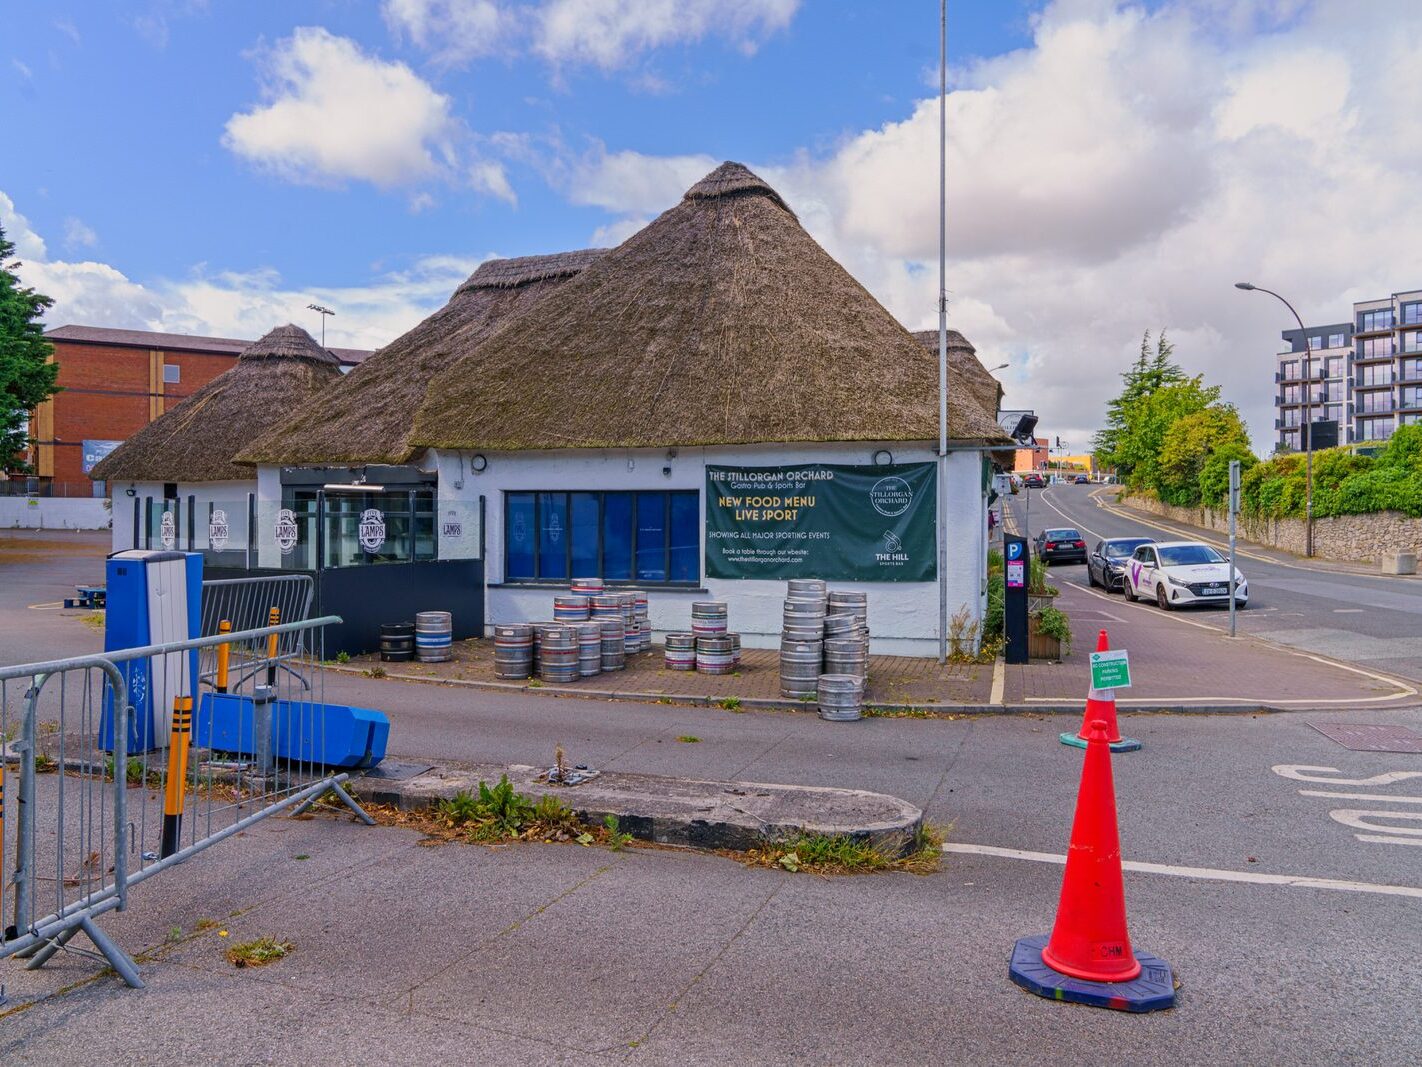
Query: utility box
x,y
153,598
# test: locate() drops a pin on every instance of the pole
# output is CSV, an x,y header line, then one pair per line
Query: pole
x,y
943,332
1233,512
1306,428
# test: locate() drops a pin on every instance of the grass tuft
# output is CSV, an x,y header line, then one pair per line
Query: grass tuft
x,y
837,854
259,953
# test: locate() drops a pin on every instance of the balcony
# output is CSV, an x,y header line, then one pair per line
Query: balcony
x,y
1374,385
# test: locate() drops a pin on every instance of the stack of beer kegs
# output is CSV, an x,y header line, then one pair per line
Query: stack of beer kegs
x,y
589,647
802,638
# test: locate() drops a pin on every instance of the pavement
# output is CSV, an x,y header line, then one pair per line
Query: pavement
x,y
1275,868
1369,620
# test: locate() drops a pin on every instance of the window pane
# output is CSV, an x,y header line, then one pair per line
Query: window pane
x,y
584,534
552,535
617,536
685,539
518,536
652,537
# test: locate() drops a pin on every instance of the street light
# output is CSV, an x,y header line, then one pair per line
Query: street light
x,y
1306,429
1000,366
324,312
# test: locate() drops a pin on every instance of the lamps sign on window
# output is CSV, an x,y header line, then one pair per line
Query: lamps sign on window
x,y
285,531
217,530
371,530
168,530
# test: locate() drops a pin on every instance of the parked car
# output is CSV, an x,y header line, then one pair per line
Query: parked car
x,y
1081,479
1179,573
1107,562
1062,545
1034,481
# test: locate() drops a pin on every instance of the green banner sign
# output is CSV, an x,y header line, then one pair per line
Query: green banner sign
x,y
821,520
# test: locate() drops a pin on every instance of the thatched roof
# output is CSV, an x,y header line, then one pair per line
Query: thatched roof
x,y
722,322
965,367
367,416
195,440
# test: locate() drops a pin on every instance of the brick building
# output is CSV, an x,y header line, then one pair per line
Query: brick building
x,y
115,383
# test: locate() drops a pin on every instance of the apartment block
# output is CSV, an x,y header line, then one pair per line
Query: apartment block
x,y
1364,375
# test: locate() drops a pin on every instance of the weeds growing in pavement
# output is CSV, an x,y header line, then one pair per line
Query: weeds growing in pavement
x,y
962,635
343,656
617,840
376,672
94,620
838,854
729,703
501,813
259,953
689,739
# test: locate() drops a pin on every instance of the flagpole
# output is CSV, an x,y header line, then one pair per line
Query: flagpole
x,y
943,332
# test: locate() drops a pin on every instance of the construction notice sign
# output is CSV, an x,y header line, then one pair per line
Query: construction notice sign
x,y
1110,670
821,520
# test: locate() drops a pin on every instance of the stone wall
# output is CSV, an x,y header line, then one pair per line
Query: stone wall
x,y
1348,538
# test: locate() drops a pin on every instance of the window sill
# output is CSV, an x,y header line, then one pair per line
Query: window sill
x,y
664,587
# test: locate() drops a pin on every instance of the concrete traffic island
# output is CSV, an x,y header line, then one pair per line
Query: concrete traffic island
x,y
680,811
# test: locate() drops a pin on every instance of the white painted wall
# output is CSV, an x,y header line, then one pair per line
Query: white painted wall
x,y
903,617
230,497
53,513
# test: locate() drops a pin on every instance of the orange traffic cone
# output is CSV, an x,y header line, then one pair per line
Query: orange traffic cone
x,y
1088,957
1101,704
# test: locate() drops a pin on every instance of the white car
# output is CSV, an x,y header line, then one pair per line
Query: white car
x,y
1177,573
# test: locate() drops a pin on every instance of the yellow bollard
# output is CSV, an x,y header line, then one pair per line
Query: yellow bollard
x,y
224,655
177,775
273,619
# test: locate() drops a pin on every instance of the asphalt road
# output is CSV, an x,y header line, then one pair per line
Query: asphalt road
x,y
1371,620
1274,868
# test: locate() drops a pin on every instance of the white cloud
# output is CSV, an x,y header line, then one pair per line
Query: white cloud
x,y
231,304
79,235
609,33
22,69
489,177
334,113
1118,175
453,30
605,33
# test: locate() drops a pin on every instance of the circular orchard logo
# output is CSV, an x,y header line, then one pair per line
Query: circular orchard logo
x,y
891,496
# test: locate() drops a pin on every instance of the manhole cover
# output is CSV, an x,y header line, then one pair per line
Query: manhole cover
x,y
1369,737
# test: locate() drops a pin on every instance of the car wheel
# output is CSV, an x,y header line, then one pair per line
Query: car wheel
x,y
1160,598
1240,605
1127,591
1090,577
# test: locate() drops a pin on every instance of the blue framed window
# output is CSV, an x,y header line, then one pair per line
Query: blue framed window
x,y
648,537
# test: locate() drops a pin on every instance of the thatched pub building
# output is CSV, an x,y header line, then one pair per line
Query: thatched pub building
x,y
708,409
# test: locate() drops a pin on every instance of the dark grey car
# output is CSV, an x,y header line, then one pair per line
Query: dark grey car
x,y
1107,561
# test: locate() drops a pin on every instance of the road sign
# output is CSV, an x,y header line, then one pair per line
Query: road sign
x,y
1015,577
1110,670
1014,549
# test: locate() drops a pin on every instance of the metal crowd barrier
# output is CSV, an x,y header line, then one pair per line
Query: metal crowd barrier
x,y
86,820
249,604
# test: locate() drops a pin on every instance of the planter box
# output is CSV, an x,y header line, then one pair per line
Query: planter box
x,y
1039,645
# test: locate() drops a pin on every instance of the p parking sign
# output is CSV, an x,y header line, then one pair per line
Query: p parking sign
x,y
1110,670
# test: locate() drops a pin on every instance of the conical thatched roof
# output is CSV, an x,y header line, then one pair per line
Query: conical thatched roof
x,y
722,322
964,367
367,416
195,440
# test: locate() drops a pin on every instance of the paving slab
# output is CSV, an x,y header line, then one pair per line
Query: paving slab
x,y
682,811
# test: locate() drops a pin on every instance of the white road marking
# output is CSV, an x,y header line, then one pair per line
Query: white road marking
x,y
1296,772
1383,797
999,680
1359,820
1293,881
1349,611
1386,839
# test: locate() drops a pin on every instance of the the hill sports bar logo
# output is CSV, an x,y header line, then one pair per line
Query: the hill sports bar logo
x,y
371,530
217,531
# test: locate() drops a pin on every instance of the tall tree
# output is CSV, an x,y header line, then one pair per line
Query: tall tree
x,y
1153,370
26,376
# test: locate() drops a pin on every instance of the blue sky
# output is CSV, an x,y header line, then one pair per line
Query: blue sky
x,y
213,166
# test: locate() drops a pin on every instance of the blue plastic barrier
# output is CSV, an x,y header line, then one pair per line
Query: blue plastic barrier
x,y
335,735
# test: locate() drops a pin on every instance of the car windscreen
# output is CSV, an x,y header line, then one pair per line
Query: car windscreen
x,y
1185,555
1062,535
1122,549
